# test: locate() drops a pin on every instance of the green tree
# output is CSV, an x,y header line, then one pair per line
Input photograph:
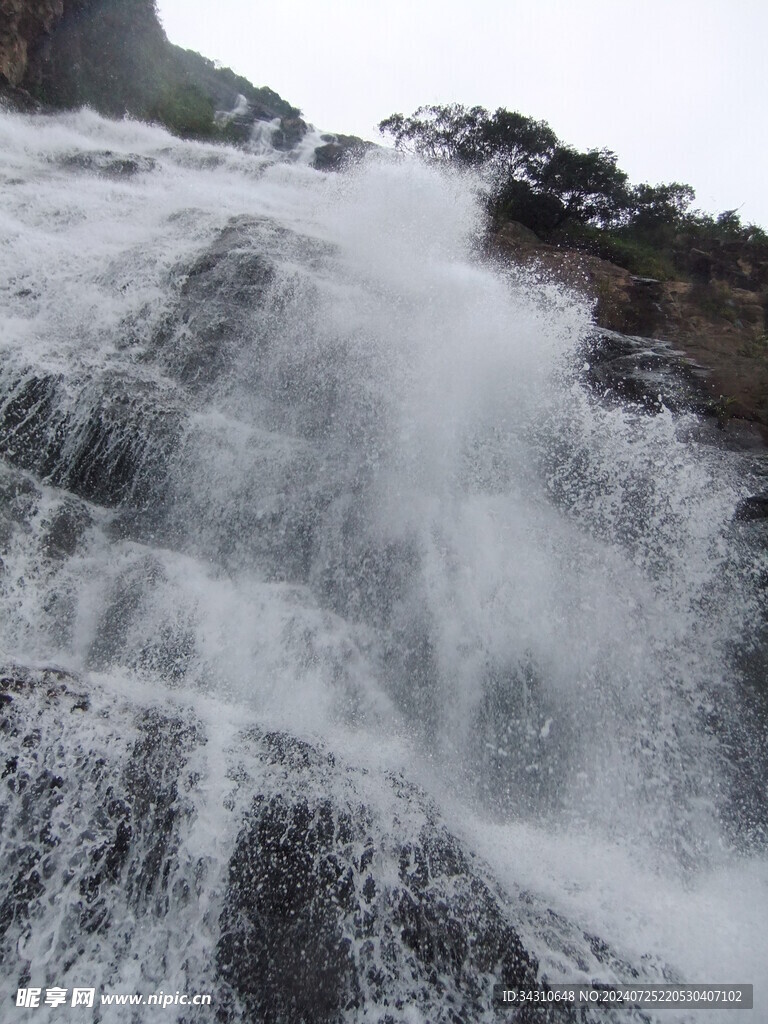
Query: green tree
x,y
534,178
511,143
449,132
564,195
660,205
591,186
515,145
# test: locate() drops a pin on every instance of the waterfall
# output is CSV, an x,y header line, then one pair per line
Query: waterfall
x,y
312,525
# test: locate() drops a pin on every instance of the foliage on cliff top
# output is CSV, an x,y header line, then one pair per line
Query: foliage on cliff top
x,y
580,199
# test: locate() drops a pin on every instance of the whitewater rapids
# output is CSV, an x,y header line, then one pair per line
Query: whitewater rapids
x,y
329,471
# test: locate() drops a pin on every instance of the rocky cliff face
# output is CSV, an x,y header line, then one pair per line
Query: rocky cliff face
x,y
717,315
22,24
107,54
113,56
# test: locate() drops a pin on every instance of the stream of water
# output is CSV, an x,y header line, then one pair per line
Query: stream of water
x,y
284,448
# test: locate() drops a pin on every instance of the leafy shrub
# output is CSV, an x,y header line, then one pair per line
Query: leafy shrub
x,y
185,110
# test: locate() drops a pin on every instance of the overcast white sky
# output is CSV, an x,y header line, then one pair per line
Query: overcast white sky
x,y
678,88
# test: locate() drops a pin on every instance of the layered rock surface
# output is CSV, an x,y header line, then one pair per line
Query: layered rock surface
x,y
319,904
22,24
717,317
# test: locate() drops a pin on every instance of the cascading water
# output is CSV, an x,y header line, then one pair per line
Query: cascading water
x,y
308,513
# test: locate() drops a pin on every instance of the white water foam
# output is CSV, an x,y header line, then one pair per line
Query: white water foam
x,y
527,600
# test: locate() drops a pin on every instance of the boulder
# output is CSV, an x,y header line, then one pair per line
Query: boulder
x,y
294,887
328,910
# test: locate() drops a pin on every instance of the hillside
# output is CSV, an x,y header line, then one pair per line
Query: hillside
x,y
378,634
653,264
715,313
113,55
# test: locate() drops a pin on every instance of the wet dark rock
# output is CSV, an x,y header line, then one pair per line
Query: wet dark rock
x,y
123,445
751,509
66,529
152,793
116,59
339,150
17,99
332,905
291,131
237,124
109,164
645,371
90,823
369,582
31,792
31,434
23,22
111,446
235,313
327,910
219,294
715,312
521,756
50,684
329,157
167,648
19,498
283,948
